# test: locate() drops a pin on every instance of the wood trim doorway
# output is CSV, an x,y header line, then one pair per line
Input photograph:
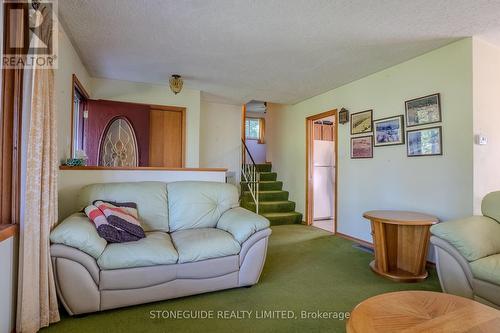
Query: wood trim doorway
x,y
309,165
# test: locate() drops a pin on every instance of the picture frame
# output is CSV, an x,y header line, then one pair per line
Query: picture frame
x,y
425,142
423,110
389,131
343,116
362,122
362,147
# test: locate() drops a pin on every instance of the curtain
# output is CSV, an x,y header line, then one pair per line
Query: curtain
x,y
262,130
37,301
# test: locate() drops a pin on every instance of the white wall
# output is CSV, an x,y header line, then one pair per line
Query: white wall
x,y
134,92
486,64
69,64
440,185
8,263
220,137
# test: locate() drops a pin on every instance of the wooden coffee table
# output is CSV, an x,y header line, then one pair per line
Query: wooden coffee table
x,y
422,311
401,240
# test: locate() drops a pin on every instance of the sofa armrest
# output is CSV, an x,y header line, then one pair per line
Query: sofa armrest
x,y
454,271
474,237
70,253
242,223
79,232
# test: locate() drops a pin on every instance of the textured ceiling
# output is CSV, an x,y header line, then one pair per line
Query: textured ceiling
x,y
279,51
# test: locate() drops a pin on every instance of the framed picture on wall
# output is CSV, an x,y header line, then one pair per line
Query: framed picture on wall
x,y
361,122
425,142
389,131
423,110
362,147
343,116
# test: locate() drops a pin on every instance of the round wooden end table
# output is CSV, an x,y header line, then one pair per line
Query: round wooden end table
x,y
422,311
400,242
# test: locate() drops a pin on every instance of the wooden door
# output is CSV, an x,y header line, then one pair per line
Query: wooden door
x,y
166,143
102,113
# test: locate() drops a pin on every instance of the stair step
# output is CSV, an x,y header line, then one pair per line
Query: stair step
x,y
266,196
268,176
283,218
271,206
264,167
267,185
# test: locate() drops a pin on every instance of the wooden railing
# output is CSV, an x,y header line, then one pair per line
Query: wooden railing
x,y
250,174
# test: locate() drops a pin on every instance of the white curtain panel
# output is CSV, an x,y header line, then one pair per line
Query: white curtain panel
x,y
37,300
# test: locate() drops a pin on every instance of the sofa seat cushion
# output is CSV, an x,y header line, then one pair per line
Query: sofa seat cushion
x,y
155,249
196,204
474,237
205,243
150,197
487,269
242,223
79,232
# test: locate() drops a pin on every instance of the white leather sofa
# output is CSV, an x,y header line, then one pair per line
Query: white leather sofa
x,y
198,240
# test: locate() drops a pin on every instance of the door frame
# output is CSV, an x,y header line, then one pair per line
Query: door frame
x,y
309,165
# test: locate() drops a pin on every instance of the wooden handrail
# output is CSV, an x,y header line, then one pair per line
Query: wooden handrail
x,y
250,174
248,151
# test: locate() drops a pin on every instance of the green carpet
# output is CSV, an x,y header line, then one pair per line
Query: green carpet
x,y
307,269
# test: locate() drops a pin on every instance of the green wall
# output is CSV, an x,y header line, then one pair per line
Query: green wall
x,y
439,185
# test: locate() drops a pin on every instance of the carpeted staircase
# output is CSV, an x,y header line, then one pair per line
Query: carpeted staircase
x,y
274,203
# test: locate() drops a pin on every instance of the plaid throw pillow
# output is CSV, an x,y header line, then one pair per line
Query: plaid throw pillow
x,y
120,218
129,207
105,230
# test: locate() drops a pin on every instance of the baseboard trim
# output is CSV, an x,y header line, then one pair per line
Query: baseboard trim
x,y
354,239
370,245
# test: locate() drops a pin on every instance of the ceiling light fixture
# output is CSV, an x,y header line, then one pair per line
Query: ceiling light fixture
x,y
176,83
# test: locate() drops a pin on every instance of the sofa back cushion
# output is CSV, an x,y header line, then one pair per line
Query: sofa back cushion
x,y
474,237
150,197
197,204
490,205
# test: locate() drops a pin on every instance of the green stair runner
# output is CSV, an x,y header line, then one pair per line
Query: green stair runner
x,y
273,201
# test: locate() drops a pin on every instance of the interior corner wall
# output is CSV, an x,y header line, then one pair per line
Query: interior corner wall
x,y
439,185
134,92
486,69
220,137
69,63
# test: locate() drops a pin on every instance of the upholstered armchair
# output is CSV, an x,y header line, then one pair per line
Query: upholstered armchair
x,y
468,253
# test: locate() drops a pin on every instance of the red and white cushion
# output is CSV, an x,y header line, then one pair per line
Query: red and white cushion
x,y
120,218
105,230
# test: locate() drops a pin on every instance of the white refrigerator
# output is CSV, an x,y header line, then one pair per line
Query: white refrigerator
x,y
324,178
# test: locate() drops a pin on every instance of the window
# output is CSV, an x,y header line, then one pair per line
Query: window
x,y
119,146
79,108
11,107
254,129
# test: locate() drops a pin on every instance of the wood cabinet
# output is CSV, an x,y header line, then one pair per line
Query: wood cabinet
x,y
400,240
166,148
323,131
